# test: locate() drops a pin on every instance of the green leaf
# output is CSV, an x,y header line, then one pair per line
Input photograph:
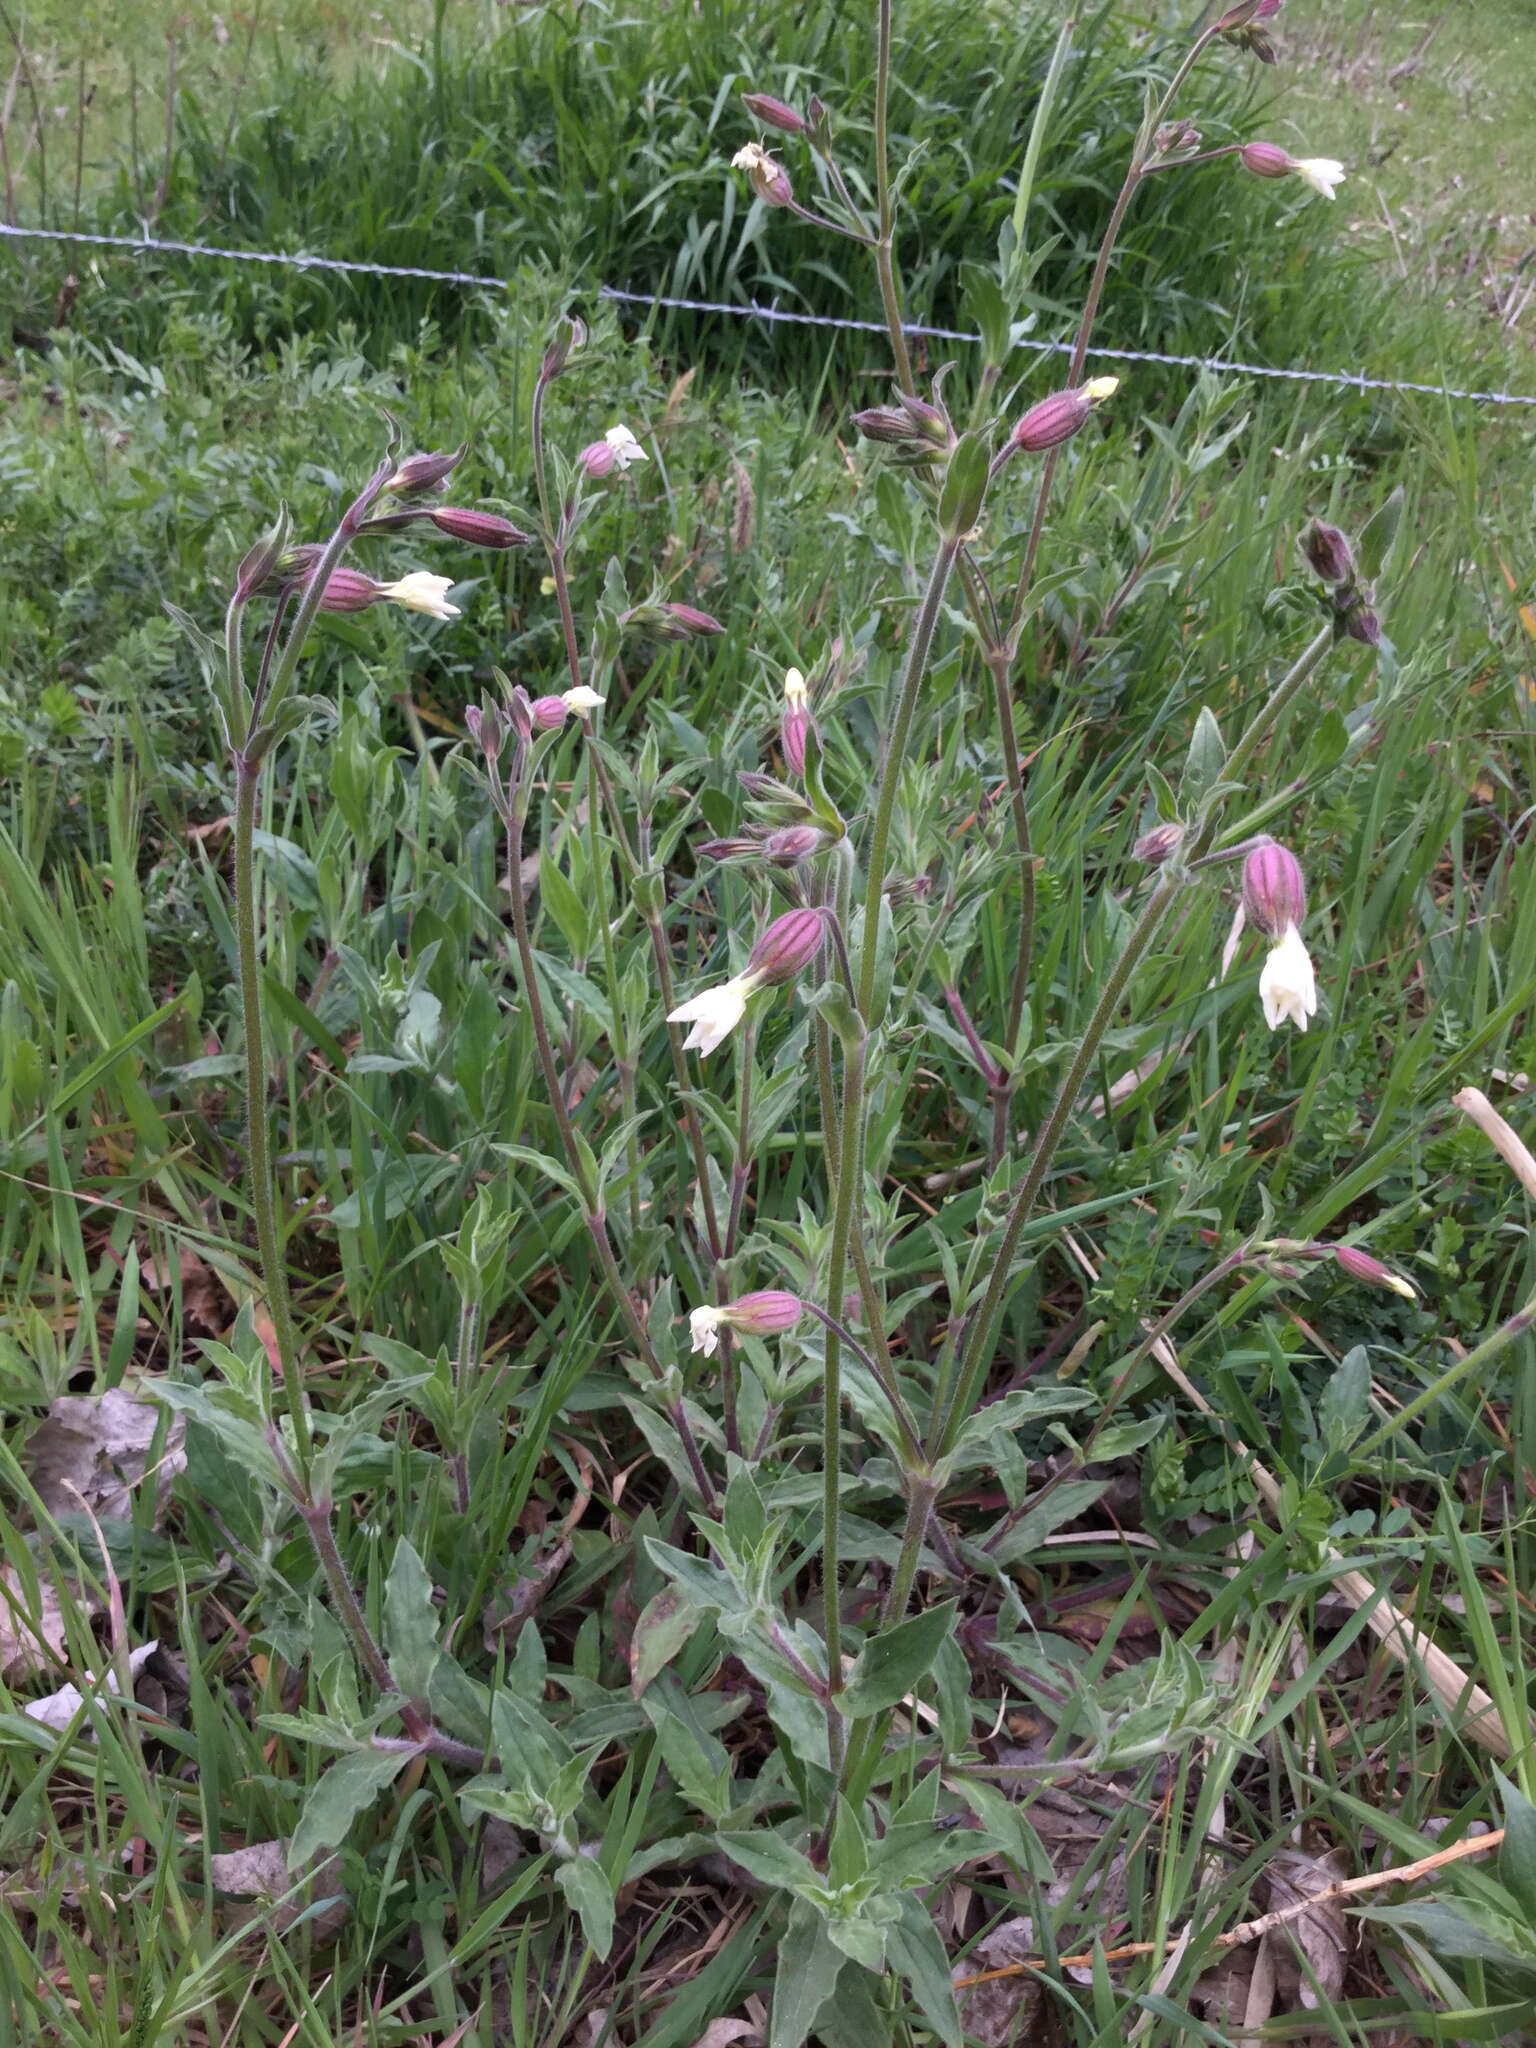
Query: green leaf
x,y
806,1977
965,486
891,1665
1206,758
410,1624
1517,1853
1063,1503
586,1886
1344,1408
339,1796
860,1940
667,1624
913,1949
771,1860
1378,535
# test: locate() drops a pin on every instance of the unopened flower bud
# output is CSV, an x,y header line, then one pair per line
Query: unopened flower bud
x,y
1361,1266
1159,844
888,424
1175,139
261,569
765,174
1240,26
762,106
788,947
728,849
479,529
791,844
1274,890
548,713
672,621
420,474
796,725
1328,553
520,713
487,728
570,336
1354,618
1057,418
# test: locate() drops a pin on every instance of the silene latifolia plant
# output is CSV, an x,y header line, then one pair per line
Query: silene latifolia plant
x,y
810,1391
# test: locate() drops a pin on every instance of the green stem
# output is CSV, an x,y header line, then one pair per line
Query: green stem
x,y
589,1194
1476,1360
885,260
980,1334
850,1174
629,1105
918,651
466,1359
868,1738
1090,313
269,1247
317,1519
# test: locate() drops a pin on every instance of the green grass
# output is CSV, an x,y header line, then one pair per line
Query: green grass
x,y
1173,1627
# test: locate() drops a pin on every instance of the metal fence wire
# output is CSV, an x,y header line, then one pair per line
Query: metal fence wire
x,y
1219,365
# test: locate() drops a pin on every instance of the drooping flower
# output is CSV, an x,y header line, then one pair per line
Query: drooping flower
x,y
785,950
421,591
618,449
1360,1265
1274,889
767,1313
1269,160
765,174
1288,984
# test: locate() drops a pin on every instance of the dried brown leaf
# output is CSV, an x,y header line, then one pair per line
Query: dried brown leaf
x,y
725,2033
260,1871
1007,2011
96,1447
29,1637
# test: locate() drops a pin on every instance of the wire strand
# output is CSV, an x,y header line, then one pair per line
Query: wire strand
x,y
750,310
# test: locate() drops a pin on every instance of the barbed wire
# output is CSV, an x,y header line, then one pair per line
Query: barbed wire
x,y
1219,365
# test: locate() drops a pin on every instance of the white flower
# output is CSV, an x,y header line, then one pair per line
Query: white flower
x,y
625,446
704,1330
752,157
1322,173
716,1013
421,591
1288,986
581,700
795,690
1100,388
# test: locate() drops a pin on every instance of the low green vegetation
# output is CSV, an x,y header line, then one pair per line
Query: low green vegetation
x,y
1137,1696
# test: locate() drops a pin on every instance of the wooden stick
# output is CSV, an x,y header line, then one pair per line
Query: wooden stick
x,y
1254,1930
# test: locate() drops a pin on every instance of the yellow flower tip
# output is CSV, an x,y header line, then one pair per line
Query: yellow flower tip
x,y
547,586
1100,388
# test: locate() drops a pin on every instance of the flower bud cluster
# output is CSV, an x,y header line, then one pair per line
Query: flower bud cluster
x,y
1330,557
1241,26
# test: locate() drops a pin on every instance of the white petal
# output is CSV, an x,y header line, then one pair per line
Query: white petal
x,y
704,1330
582,700
1322,173
1288,984
713,1015
625,446
421,591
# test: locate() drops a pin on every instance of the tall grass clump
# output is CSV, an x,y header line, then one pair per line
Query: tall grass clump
x,y
575,137
788,1243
